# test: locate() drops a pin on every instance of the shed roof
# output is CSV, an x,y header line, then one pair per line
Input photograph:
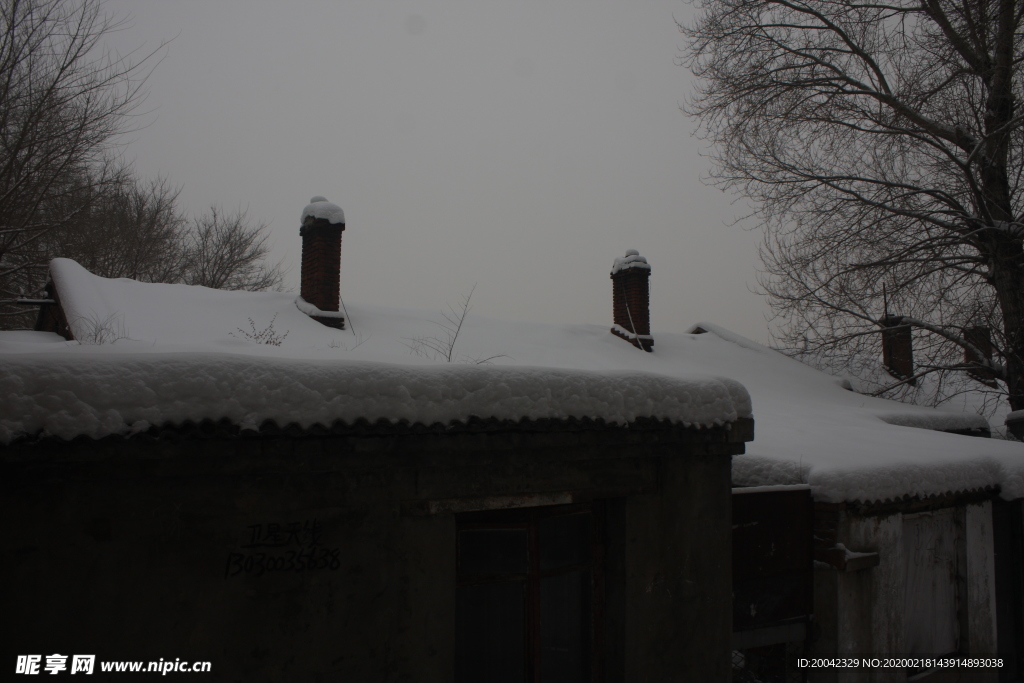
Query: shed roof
x,y
186,353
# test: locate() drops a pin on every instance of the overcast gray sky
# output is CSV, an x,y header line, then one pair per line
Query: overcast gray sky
x,y
519,146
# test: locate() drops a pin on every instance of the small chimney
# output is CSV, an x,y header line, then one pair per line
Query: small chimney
x,y
631,300
322,224
897,348
981,338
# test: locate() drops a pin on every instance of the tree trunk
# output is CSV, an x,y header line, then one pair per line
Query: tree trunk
x,y
1008,281
1006,253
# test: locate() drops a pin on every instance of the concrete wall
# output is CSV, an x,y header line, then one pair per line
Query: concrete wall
x,y
678,575
333,558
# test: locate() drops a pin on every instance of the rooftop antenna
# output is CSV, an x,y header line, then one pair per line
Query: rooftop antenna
x,y
347,316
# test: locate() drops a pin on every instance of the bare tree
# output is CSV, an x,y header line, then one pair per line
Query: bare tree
x,y
63,102
229,252
132,229
881,146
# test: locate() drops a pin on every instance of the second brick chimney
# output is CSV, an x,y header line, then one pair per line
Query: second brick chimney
x,y
980,337
322,225
898,348
631,300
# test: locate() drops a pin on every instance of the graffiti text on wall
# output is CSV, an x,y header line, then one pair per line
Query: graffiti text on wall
x,y
289,547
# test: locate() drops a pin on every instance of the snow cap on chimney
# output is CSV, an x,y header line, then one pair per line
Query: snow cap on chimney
x,y
321,209
632,259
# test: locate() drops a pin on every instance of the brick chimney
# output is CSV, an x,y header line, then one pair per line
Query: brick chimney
x,y
981,338
631,300
897,348
322,224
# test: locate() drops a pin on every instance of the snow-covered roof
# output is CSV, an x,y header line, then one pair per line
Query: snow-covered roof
x,y
157,353
105,394
184,355
319,207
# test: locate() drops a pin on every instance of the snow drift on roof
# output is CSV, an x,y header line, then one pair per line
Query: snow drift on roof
x,y
848,446
163,314
101,395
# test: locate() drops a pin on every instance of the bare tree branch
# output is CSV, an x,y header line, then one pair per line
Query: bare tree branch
x,y
228,252
63,102
880,145
442,346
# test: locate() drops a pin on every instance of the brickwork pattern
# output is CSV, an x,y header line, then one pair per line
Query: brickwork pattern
x,y
631,307
631,300
321,263
897,348
981,337
336,323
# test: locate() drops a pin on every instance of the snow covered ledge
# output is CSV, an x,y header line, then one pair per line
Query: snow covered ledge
x,y
314,312
629,336
953,423
98,395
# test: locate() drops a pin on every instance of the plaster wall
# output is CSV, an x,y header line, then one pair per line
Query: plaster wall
x,y
333,558
678,580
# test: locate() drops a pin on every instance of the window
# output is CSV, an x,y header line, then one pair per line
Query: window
x,y
530,595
